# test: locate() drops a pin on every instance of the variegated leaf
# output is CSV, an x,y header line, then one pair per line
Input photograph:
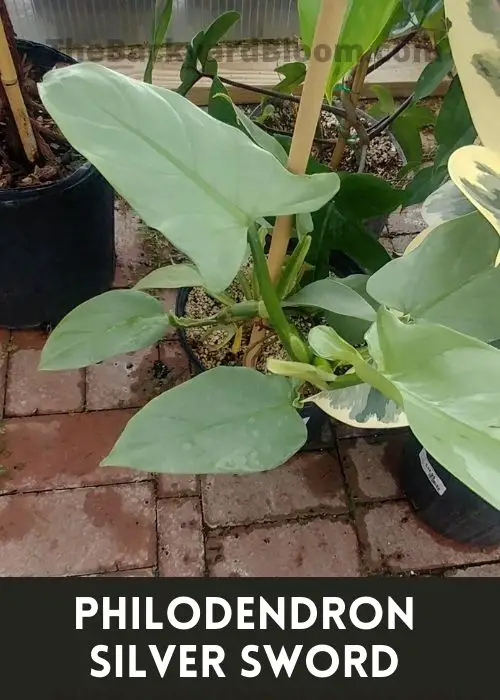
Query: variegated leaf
x,y
474,34
476,171
361,406
446,203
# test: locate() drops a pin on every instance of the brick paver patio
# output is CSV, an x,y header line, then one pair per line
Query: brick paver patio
x,y
336,513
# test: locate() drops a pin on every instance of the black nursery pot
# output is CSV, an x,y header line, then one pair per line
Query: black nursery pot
x,y
56,241
444,503
319,428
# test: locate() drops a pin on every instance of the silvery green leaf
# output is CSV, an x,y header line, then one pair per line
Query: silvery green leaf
x,y
450,389
332,295
351,328
261,137
450,278
171,277
229,420
113,323
200,182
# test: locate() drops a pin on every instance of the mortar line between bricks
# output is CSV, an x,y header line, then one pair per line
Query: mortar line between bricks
x,y
221,530
156,572
59,414
439,571
113,571
58,489
204,528
6,373
84,390
377,501
351,504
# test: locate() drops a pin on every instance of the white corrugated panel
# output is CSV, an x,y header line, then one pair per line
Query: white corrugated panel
x,y
107,21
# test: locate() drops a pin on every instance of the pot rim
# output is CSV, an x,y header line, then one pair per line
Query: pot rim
x,y
8,194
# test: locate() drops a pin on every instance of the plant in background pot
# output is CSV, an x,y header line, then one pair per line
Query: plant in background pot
x,y
360,251
56,210
342,232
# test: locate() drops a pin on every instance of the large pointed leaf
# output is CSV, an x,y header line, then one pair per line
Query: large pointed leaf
x,y
335,296
111,324
476,171
450,387
426,286
230,420
198,181
474,31
361,406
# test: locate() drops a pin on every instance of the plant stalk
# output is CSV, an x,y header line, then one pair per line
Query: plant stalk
x,y
353,97
327,33
286,332
10,82
390,54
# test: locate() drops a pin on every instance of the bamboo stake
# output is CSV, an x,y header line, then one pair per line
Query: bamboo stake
x,y
326,36
353,96
10,82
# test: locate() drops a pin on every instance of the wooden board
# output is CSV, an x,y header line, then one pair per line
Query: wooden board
x,y
255,64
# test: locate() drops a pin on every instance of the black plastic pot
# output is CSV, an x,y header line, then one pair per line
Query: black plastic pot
x,y
319,428
56,241
445,503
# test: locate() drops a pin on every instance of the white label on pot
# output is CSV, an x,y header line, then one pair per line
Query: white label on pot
x,y
431,473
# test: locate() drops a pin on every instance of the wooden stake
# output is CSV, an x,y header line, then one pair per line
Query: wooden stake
x,y
327,33
12,88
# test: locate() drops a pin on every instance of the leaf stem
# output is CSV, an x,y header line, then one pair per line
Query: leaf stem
x,y
390,54
244,284
286,332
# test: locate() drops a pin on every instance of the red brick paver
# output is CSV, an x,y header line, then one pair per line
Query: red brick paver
x,y
307,484
31,392
59,452
177,485
180,537
338,513
125,381
398,541
79,531
319,547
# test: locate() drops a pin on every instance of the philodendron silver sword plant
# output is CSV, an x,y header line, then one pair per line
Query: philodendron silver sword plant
x,y
420,330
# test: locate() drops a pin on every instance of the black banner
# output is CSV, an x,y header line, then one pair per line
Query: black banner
x,y
249,638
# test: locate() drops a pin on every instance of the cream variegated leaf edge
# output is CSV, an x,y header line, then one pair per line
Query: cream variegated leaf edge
x,y
474,34
361,406
476,171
